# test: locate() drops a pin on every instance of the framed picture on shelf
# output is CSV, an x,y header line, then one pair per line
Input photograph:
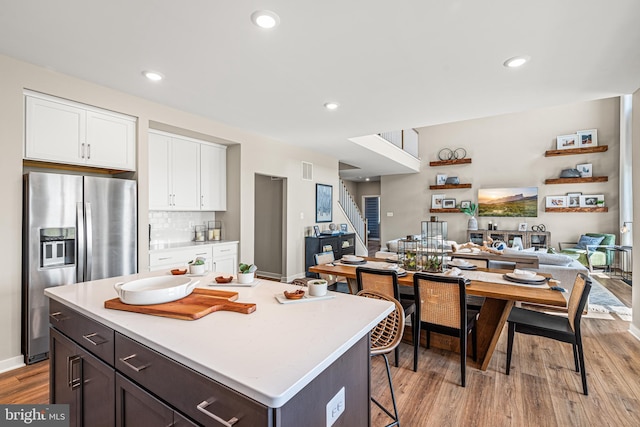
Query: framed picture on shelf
x,y
316,231
573,200
343,228
465,204
585,169
564,142
522,226
591,200
556,201
324,202
436,201
588,138
441,179
448,203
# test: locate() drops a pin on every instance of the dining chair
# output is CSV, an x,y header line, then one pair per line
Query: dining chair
x,y
333,282
386,283
559,328
441,305
385,338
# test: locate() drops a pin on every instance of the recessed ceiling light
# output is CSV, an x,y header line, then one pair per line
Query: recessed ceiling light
x,y
516,61
367,179
331,105
154,76
265,19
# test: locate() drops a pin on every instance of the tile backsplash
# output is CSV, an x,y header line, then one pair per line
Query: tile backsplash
x,y
175,227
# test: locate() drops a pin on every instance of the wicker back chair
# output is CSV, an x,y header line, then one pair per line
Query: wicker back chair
x,y
386,283
442,308
385,338
563,329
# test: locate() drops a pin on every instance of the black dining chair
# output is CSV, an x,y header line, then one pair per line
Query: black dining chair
x,y
559,328
386,283
441,305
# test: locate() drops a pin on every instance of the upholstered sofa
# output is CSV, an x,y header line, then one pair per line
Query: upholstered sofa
x,y
593,243
390,249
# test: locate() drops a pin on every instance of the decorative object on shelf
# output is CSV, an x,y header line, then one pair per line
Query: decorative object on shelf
x,y
198,233
452,180
564,142
573,200
332,227
469,208
324,203
570,173
448,203
588,138
510,202
214,230
556,201
316,231
522,226
591,200
432,248
540,227
441,179
585,169
517,243
436,201
449,154
343,228
246,273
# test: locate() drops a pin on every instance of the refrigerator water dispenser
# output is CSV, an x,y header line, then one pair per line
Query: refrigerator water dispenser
x,y
57,247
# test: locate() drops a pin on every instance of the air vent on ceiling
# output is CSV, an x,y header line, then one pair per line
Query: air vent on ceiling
x,y
307,171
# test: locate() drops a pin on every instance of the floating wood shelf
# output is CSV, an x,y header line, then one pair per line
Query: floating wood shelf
x,y
447,210
576,180
602,209
450,162
449,186
571,151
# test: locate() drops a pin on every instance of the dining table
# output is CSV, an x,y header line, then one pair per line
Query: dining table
x,y
500,296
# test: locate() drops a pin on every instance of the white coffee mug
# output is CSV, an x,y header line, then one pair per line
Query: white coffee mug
x,y
317,288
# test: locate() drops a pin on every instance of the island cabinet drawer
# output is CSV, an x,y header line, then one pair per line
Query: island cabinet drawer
x,y
200,398
91,335
221,250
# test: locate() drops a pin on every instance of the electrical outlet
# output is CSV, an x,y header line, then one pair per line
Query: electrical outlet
x,y
335,407
389,213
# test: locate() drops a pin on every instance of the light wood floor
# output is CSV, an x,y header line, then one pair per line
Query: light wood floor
x,y
542,390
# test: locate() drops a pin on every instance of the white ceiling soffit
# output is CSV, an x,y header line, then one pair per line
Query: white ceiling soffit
x,y
390,65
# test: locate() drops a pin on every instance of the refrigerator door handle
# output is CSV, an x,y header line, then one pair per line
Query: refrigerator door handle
x,y
80,243
88,224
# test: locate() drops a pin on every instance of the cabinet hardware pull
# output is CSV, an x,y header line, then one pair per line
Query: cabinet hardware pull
x,y
82,150
201,407
167,257
55,315
202,253
88,151
225,250
97,342
73,382
135,368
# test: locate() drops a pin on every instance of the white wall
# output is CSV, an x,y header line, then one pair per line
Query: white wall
x,y
635,291
508,151
255,155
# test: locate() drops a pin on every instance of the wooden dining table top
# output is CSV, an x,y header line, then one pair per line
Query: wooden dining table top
x,y
536,295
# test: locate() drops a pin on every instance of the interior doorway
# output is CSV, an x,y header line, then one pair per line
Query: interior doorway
x,y
270,231
371,212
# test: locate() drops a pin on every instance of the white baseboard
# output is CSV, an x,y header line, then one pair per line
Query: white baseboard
x,y
276,276
11,364
634,331
290,279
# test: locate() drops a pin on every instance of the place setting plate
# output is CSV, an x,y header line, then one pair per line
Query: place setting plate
x,y
527,279
462,265
353,260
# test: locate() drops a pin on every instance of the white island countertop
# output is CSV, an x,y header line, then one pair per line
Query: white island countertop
x,y
268,355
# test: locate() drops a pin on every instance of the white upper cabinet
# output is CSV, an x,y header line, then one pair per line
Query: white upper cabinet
x,y
213,177
61,131
186,174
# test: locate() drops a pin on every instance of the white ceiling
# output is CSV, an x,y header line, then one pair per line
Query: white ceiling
x,y
390,65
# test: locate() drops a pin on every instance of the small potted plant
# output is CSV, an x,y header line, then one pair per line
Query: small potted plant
x,y
470,210
246,272
196,266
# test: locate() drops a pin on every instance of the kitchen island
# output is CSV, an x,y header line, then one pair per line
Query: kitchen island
x,y
278,366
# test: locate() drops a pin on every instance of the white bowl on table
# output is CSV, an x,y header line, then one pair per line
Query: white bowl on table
x,y
155,290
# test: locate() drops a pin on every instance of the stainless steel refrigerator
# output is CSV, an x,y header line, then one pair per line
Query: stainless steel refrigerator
x,y
75,229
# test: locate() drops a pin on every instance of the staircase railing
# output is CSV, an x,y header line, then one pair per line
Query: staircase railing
x,y
350,208
406,139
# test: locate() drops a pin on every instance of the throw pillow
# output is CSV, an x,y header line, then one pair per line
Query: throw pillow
x,y
553,259
587,240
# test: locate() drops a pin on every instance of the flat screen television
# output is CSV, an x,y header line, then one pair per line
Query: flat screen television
x,y
518,202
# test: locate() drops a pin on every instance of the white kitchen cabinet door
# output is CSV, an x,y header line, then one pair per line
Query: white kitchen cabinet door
x,y
213,177
160,193
185,171
55,132
225,258
110,141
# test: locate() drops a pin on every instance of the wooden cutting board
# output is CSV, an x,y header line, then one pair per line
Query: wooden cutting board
x,y
194,306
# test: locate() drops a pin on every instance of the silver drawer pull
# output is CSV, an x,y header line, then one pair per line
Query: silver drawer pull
x,y
73,382
135,368
203,253
58,316
92,340
201,407
162,259
225,250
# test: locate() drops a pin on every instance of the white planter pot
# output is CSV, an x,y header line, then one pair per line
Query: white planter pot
x,y
196,269
317,288
245,277
472,224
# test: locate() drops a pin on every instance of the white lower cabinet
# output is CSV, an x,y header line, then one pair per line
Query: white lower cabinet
x,y
219,257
